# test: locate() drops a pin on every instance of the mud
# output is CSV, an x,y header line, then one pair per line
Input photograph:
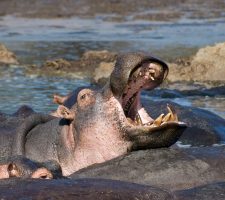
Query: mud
x,y
115,10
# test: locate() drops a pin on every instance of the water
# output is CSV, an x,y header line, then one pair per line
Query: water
x,y
36,40
17,89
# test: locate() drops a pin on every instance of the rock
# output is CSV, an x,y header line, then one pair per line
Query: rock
x,y
103,71
207,65
7,57
173,169
82,189
96,65
58,64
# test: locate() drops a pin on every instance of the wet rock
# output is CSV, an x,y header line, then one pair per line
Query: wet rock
x,y
103,71
96,65
58,64
207,65
82,189
6,56
173,169
99,64
210,191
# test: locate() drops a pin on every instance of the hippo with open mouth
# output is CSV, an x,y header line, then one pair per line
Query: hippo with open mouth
x,y
100,124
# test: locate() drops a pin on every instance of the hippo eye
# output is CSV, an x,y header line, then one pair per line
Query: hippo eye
x,y
83,96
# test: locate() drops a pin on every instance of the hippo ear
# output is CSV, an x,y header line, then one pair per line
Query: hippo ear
x,y
4,171
8,171
65,113
13,170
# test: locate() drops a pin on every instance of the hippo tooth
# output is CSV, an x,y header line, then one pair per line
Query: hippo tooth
x,y
145,118
173,114
152,78
152,71
167,118
138,119
158,120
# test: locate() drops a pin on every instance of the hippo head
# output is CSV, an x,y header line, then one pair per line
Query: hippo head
x,y
112,121
22,167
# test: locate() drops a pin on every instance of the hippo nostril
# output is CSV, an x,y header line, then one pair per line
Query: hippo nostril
x,y
42,173
44,176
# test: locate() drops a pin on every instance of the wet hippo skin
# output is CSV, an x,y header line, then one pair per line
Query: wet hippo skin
x,y
172,169
205,192
81,189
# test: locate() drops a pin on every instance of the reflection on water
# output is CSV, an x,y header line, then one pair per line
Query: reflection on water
x,y
213,104
17,89
196,32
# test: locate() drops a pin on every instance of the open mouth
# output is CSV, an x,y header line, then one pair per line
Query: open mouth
x,y
146,76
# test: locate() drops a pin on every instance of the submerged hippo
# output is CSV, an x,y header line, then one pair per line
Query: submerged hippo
x,y
101,124
80,189
22,167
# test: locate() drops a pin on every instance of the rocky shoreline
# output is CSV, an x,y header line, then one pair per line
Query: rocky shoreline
x,y
206,66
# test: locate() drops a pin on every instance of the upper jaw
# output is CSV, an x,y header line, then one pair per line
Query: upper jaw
x,y
129,64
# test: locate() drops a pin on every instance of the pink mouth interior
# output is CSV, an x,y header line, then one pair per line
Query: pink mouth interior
x,y
148,76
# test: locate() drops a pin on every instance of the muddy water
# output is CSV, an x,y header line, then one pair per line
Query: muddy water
x,y
37,40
